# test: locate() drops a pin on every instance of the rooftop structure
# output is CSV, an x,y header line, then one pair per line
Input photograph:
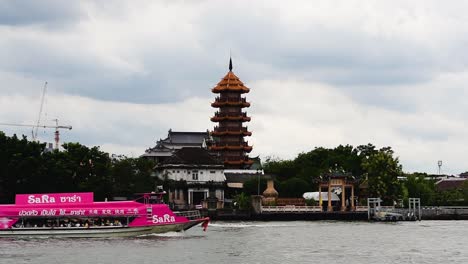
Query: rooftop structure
x,y
449,184
196,174
176,140
229,134
192,157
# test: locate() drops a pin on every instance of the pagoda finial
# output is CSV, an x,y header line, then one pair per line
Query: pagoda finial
x,y
230,63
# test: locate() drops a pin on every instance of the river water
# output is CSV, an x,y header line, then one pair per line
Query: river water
x,y
260,242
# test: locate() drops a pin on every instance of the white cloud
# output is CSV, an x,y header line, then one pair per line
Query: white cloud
x,y
322,73
288,117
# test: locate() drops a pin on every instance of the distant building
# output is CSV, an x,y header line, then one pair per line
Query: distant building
x,y
450,184
177,140
49,147
229,134
197,175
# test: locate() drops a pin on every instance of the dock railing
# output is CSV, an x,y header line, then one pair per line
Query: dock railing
x,y
378,212
290,209
361,208
190,215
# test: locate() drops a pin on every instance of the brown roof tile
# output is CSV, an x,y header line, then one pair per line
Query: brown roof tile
x,y
450,184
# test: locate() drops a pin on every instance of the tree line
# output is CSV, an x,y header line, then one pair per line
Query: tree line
x,y
375,169
26,168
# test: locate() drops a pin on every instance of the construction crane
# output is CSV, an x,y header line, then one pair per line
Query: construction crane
x,y
38,124
57,127
34,131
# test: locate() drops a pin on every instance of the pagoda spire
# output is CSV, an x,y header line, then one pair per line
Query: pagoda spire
x,y
230,63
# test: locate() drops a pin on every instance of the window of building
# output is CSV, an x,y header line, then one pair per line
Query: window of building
x,y
201,172
177,171
212,172
178,194
195,175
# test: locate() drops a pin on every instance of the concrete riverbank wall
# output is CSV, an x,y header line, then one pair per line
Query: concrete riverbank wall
x,y
428,213
444,213
453,214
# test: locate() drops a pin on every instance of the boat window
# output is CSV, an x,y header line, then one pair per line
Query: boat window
x,y
71,222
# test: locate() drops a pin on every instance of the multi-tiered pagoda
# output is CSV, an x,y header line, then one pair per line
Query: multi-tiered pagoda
x,y
229,134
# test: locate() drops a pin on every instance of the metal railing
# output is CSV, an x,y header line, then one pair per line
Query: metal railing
x,y
233,144
291,209
190,215
234,129
222,100
230,114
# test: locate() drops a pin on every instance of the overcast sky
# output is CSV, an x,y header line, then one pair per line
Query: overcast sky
x,y
321,73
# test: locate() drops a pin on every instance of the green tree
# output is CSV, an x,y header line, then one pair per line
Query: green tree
x,y
20,161
382,170
418,186
90,169
251,186
284,169
26,168
242,201
465,192
294,187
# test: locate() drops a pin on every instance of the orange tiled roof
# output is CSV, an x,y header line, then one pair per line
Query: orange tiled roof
x,y
230,82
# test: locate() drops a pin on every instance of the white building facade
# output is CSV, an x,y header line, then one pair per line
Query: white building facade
x,y
195,176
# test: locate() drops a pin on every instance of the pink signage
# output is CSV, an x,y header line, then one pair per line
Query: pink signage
x,y
54,198
63,211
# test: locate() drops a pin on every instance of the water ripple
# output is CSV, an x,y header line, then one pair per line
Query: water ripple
x,y
260,242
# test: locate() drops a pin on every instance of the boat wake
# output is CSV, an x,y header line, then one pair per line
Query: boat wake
x,y
168,234
249,225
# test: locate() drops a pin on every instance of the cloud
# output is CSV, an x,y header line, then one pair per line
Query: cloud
x,y
284,123
51,13
322,73
164,47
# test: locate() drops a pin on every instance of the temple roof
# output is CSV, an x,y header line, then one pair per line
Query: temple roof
x,y
230,82
257,165
174,137
196,156
178,140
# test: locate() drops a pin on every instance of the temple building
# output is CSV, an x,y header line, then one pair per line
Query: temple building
x,y
174,141
196,176
228,135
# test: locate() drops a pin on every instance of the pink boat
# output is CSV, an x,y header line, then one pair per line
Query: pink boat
x,y
77,215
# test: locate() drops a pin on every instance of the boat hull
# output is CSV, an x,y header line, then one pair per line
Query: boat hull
x,y
98,232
